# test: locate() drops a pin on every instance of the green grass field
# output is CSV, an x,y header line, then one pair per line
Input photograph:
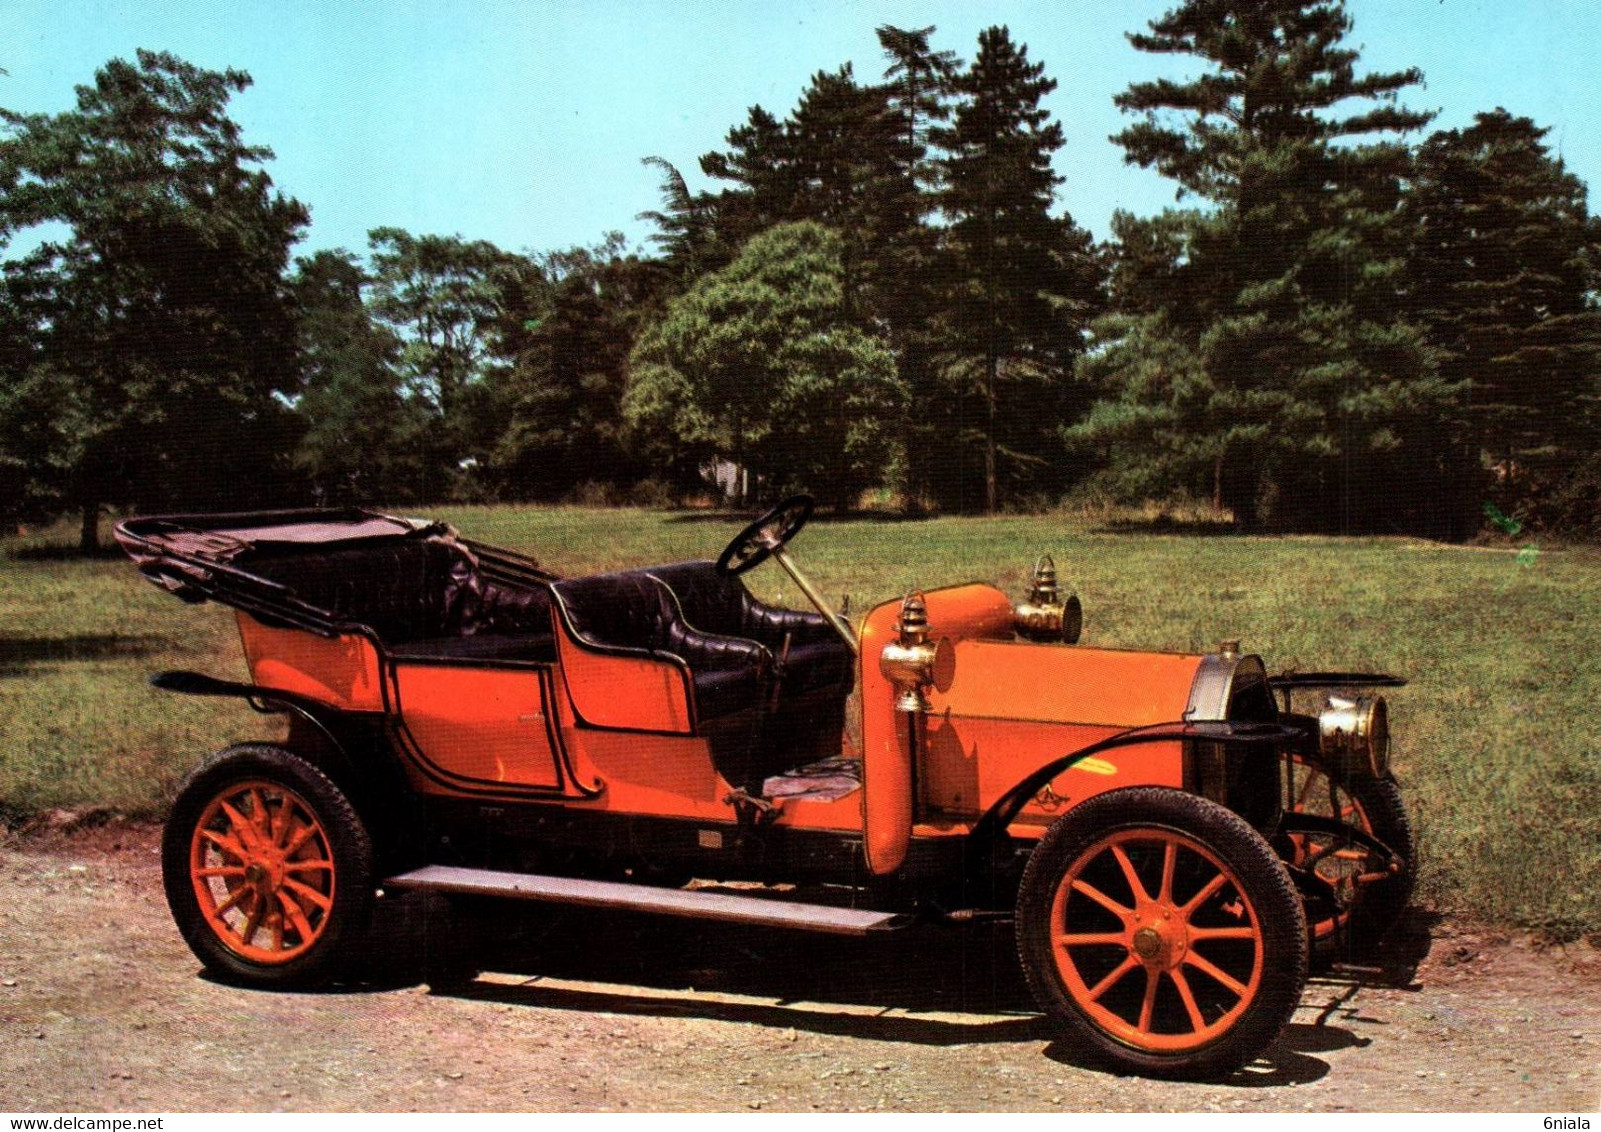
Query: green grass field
x,y
1498,737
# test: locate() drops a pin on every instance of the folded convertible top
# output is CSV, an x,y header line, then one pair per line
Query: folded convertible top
x,y
221,538
209,557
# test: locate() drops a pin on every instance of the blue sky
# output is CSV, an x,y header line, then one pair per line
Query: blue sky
x,y
524,122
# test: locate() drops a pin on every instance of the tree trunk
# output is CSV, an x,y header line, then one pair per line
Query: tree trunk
x,y
89,532
992,365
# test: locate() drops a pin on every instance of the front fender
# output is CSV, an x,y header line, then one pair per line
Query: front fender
x,y
992,825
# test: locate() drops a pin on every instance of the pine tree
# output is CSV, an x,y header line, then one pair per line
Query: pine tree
x,y
760,165
1321,397
686,227
1161,432
917,86
907,269
1502,278
854,158
1023,282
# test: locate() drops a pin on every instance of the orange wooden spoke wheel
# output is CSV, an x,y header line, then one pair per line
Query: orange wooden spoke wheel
x,y
263,871
267,868
1162,932
1361,886
1156,940
1343,867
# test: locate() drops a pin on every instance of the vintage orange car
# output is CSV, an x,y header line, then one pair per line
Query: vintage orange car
x,y
1172,840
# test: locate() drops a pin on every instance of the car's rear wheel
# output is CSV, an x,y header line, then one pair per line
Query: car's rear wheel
x,y
267,868
1162,933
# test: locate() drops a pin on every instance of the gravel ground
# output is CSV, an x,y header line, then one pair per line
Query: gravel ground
x,y
102,1008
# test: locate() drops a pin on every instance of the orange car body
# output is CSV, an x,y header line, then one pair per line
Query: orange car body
x,y
616,734
462,720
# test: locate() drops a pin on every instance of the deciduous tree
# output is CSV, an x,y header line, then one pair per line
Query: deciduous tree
x,y
760,364
448,299
161,324
364,440
562,396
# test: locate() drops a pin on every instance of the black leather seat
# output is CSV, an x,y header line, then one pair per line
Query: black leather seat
x,y
423,597
409,590
633,613
714,603
813,672
490,648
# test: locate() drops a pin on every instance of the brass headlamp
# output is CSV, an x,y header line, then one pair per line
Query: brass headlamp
x,y
1354,734
912,662
1046,616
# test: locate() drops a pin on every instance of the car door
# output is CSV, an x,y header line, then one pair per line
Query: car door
x,y
476,724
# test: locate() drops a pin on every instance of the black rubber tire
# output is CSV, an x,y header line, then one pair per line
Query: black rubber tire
x,y
1263,883
1384,902
1380,905
350,851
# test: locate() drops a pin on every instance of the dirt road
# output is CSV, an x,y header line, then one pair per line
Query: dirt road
x,y
102,1008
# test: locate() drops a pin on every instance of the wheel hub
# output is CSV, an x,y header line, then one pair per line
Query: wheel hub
x,y
1161,943
1147,943
265,873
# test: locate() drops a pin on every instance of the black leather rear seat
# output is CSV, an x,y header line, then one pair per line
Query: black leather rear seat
x,y
423,597
402,590
540,648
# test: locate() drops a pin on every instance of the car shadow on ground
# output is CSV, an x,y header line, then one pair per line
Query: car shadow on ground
x,y
932,984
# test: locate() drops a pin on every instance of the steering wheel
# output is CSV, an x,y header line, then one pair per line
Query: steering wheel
x,y
752,545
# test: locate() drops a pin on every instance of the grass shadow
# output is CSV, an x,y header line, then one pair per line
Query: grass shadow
x,y
63,552
20,656
741,517
1166,525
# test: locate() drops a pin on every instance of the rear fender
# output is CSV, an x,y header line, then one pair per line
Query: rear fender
x,y
302,710
349,747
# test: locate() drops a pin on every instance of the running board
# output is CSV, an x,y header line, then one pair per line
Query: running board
x,y
645,898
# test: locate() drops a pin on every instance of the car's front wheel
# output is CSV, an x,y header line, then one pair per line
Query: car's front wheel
x,y
267,868
1162,933
1353,897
